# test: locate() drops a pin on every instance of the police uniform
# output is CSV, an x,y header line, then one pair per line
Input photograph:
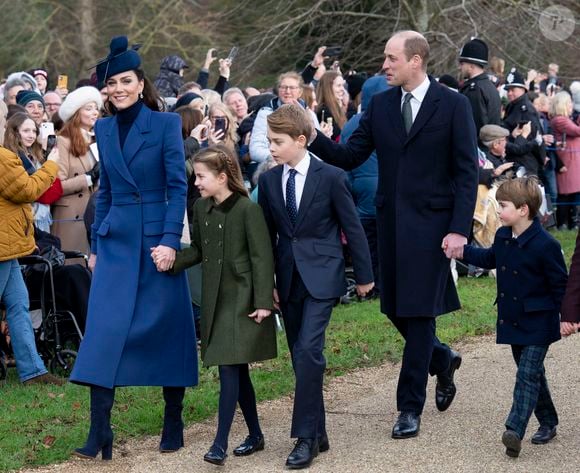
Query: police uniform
x,y
482,94
529,152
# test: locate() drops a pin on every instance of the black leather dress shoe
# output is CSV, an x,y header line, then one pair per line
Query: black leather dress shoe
x,y
544,435
407,426
512,442
323,445
249,446
445,389
215,455
302,455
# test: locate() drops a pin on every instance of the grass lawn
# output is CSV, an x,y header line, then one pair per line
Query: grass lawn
x,y
42,424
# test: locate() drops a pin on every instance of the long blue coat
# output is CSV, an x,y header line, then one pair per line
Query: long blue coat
x,y
140,329
427,188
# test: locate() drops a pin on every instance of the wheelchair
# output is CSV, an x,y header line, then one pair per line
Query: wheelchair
x,y
58,335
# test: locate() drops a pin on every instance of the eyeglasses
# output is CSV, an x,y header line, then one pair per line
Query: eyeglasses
x,y
288,87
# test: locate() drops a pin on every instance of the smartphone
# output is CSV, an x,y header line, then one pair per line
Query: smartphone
x,y
50,143
62,82
521,123
220,124
333,51
46,129
233,54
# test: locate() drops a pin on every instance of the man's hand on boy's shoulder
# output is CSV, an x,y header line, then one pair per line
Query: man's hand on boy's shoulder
x,y
363,289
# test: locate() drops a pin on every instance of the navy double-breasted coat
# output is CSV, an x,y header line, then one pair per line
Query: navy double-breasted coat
x,y
140,328
531,281
426,189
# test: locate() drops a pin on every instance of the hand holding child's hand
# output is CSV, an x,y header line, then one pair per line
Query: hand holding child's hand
x,y
276,299
363,289
260,314
453,244
568,328
163,257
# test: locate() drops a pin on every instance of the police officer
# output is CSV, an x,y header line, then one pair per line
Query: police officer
x,y
480,91
525,144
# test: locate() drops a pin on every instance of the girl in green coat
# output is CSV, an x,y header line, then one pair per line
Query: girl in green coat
x,y
231,240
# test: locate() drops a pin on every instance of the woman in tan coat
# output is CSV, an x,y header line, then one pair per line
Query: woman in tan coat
x,y
78,167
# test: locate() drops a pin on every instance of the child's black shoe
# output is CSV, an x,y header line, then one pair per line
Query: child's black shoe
x,y
512,442
544,435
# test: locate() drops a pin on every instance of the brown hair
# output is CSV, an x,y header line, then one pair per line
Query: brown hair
x,y
12,139
308,95
496,65
292,120
220,158
190,118
520,191
415,44
151,97
72,130
326,97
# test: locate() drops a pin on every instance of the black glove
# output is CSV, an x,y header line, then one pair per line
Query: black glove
x,y
95,172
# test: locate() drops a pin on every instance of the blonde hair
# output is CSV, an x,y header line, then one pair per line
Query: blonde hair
x,y
231,135
221,159
210,96
290,75
292,120
521,191
560,104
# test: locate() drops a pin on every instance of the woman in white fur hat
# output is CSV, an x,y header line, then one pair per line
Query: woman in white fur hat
x,y
78,168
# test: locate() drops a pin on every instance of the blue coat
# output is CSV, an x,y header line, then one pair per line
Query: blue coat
x,y
140,327
427,189
313,243
531,280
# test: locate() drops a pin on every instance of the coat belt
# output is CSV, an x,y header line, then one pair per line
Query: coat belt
x,y
139,197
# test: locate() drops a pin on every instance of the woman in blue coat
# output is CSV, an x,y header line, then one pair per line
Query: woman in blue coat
x,y
140,329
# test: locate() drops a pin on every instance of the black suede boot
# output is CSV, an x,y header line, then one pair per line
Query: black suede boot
x,y
172,436
100,437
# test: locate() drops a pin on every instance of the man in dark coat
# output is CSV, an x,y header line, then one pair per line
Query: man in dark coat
x,y
170,77
480,91
527,151
426,145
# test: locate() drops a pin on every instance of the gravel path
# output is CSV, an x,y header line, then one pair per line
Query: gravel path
x,y
361,410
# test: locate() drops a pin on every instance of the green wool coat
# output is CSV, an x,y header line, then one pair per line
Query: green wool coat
x,y
231,241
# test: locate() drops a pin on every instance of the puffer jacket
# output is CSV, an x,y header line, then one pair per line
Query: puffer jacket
x,y
17,191
168,80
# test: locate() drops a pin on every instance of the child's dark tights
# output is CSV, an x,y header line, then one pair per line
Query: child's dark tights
x,y
236,387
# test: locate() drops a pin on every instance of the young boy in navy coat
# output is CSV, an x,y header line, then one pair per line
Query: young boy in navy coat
x,y
306,203
531,280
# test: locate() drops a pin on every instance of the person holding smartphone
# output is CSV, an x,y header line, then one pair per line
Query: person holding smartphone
x,y
223,126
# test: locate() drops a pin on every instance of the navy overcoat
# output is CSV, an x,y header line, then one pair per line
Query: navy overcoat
x,y
427,188
531,281
140,329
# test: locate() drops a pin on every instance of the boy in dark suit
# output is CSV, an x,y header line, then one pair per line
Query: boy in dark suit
x,y
531,280
306,203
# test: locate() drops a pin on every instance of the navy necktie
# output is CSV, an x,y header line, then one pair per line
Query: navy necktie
x,y
291,196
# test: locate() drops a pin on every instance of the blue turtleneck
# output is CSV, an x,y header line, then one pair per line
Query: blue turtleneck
x,y
125,119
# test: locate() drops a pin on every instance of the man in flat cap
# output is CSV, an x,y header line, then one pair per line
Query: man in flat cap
x,y
480,91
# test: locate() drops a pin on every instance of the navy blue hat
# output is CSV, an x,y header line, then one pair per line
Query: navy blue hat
x,y
120,59
25,96
186,99
474,52
515,79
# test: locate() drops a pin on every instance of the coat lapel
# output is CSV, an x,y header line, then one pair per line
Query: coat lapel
x,y
428,107
114,152
135,138
310,186
395,115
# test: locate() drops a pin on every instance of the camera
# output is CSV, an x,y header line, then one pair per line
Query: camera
x,y
220,124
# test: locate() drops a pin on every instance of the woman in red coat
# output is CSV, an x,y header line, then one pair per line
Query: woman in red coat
x,y
568,177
